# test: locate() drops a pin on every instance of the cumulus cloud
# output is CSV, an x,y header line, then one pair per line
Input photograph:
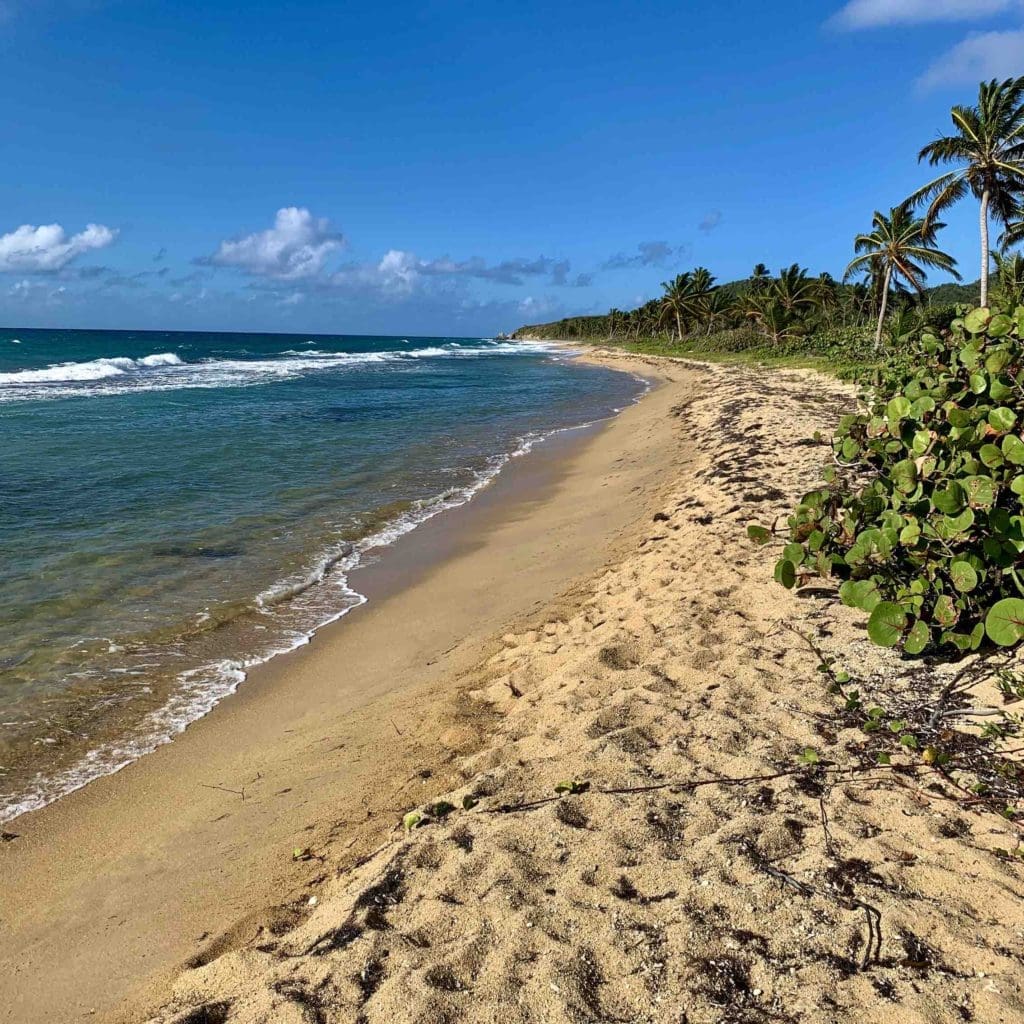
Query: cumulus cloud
x,y
710,221
981,55
875,13
48,248
648,254
403,271
297,246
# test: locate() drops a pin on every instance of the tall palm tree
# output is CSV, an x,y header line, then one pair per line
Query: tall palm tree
x,y
674,301
988,145
699,289
615,321
901,245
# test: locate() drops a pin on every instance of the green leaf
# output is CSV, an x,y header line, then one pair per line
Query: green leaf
x,y
469,802
999,326
1004,622
785,573
977,320
904,475
809,756
917,638
1002,419
412,820
572,786
886,624
980,490
861,594
978,383
897,409
963,576
991,456
951,499
758,534
944,612
1013,449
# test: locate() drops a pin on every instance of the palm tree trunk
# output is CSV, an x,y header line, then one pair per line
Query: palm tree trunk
x,y
883,302
679,326
984,247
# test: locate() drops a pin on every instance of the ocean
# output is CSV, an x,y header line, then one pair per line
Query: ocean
x,y
178,507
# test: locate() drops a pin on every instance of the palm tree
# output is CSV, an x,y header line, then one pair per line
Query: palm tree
x,y
674,301
901,245
717,307
759,277
778,322
699,289
989,147
615,321
794,290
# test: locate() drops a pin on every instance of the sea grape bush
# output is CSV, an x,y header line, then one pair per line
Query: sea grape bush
x,y
921,520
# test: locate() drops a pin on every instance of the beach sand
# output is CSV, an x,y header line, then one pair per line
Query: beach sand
x,y
604,622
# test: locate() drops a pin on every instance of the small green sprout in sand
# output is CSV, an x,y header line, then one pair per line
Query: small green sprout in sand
x,y
572,787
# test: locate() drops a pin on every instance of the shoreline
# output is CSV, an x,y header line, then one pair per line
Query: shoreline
x,y
132,827
227,675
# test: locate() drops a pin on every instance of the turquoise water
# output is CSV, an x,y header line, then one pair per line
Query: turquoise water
x,y
177,507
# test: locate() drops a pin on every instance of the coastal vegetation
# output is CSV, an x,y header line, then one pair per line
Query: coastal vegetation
x,y
883,297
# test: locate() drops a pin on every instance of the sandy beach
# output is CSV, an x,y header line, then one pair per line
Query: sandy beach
x,y
596,617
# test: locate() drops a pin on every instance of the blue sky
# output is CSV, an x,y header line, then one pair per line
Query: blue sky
x,y
456,167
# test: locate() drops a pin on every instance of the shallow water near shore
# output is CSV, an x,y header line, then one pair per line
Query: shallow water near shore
x,y
179,507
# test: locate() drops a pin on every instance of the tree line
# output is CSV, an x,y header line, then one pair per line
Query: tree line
x,y
884,285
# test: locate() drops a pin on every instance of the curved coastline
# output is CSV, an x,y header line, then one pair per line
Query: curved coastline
x,y
199,690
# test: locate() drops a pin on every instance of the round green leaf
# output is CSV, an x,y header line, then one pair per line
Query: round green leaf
x,y
886,624
999,326
1004,622
977,320
981,491
991,456
978,382
1013,449
898,408
861,594
917,638
1002,419
963,576
950,499
904,475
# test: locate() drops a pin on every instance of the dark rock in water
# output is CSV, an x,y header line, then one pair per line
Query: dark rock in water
x,y
197,552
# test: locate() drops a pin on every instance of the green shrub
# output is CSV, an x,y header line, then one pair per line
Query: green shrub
x,y
922,518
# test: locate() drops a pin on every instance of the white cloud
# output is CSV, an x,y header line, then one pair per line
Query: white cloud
x,y
47,247
874,13
398,270
297,246
401,271
981,55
